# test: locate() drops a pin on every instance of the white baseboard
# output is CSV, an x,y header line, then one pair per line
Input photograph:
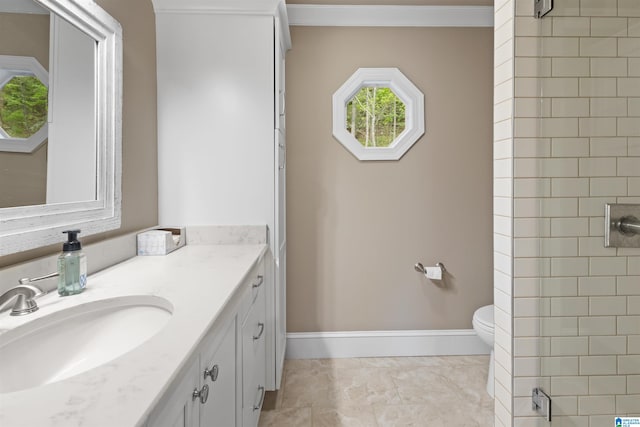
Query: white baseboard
x,y
320,345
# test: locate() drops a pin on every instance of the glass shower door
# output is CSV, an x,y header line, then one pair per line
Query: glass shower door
x,y
576,148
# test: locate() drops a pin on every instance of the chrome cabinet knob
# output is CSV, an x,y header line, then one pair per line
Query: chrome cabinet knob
x,y
213,373
202,394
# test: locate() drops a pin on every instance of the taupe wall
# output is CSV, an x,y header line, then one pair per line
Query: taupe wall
x,y
23,176
139,147
355,229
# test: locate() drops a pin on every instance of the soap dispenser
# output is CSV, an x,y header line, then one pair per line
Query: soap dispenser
x,y
72,266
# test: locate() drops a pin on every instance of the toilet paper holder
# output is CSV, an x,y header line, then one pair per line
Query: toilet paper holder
x,y
422,269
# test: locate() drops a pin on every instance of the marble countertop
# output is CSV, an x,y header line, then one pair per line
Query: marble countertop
x,y
199,281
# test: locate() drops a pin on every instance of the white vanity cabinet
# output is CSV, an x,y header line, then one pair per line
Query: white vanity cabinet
x,y
177,408
205,392
218,372
208,305
221,130
223,384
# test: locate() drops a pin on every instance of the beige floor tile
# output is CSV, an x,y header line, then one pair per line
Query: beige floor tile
x,y
290,417
377,385
400,391
350,363
344,417
429,416
301,395
471,380
426,385
344,389
409,415
467,360
395,362
323,363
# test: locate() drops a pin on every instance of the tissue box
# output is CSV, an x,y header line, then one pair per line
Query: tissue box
x,y
161,241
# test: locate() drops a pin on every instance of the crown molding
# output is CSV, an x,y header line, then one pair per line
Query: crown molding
x,y
254,7
389,16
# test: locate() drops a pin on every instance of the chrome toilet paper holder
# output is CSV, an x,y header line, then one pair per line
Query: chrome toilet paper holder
x,y
420,268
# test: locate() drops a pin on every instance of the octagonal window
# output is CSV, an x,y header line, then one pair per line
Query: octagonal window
x,y
24,103
375,116
378,114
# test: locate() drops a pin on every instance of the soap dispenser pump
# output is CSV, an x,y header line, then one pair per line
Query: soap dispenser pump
x,y
72,266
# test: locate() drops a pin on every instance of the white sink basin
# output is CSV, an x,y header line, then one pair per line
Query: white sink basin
x,y
75,340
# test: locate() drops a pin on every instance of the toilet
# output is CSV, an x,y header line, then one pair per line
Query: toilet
x,y
483,325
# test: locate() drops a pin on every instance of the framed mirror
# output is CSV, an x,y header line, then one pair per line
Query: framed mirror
x,y
82,151
378,114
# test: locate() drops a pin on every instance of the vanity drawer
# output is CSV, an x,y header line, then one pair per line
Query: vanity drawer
x,y
254,285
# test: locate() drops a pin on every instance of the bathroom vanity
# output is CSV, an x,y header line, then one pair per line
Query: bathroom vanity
x,y
205,365
223,384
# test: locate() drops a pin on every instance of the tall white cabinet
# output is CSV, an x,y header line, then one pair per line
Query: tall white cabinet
x,y
221,130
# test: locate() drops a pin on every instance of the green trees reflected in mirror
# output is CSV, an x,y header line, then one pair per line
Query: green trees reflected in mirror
x,y
23,106
375,116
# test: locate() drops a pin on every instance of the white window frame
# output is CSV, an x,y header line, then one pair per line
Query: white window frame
x,y
24,65
404,89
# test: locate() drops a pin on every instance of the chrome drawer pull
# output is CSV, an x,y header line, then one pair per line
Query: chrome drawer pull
x,y
203,394
261,326
259,406
213,373
259,283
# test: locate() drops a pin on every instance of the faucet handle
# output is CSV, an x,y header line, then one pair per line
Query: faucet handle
x,y
23,305
27,280
37,290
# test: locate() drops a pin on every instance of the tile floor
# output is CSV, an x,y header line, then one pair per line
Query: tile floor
x,y
379,392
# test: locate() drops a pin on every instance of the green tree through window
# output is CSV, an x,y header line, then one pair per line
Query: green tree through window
x,y
23,106
375,116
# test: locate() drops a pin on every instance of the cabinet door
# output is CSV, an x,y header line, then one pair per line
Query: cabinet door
x,y
218,370
280,288
179,408
280,239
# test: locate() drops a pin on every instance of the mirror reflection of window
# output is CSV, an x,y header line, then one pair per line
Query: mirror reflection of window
x,y
375,116
23,105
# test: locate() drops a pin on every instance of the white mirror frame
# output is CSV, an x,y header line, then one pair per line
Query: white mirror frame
x,y
28,227
403,88
31,65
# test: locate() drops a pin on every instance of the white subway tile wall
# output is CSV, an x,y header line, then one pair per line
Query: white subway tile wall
x,y
567,106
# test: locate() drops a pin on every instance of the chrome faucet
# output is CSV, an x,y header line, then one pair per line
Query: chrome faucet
x,y
24,294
